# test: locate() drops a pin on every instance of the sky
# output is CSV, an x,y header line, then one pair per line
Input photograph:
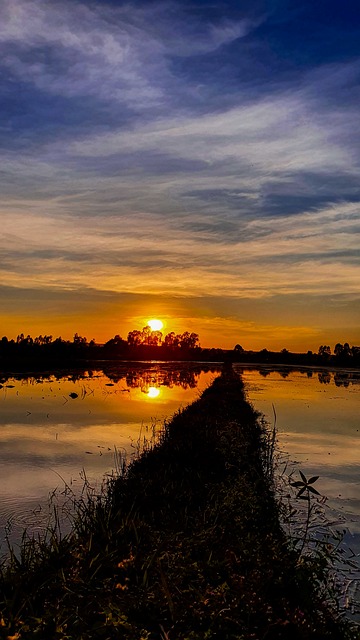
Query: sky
x,y
192,161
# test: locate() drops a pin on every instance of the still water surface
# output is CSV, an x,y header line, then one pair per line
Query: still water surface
x,y
318,426
50,436
57,430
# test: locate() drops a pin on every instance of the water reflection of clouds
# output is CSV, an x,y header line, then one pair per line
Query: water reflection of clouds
x,y
336,450
65,447
47,436
318,431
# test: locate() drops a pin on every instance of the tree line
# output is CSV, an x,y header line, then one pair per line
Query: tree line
x,y
135,338
148,344
342,351
140,344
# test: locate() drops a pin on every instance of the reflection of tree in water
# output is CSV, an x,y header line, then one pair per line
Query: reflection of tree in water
x,y
58,376
114,376
345,379
341,380
284,373
188,377
144,379
324,377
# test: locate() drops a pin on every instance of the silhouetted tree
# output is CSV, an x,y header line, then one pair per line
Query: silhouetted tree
x,y
146,333
172,340
189,340
347,350
324,352
155,338
135,338
355,351
338,349
116,341
41,340
238,348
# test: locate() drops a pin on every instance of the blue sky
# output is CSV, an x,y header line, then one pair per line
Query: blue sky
x,y
194,160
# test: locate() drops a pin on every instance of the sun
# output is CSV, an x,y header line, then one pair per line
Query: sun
x,y
155,325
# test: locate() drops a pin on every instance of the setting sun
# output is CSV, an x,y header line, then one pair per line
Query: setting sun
x,y
155,325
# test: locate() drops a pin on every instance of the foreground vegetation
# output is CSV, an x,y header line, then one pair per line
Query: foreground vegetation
x,y
185,544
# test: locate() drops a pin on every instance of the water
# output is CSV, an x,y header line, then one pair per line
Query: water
x,y
55,431
49,439
318,430
318,423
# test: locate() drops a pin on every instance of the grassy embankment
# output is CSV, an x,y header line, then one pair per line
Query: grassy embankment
x,y
187,545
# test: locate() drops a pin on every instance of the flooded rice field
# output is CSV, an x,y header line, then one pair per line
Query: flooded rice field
x,y
318,433
56,431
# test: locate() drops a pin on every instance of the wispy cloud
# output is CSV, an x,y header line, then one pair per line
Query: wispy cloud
x,y
118,54
143,254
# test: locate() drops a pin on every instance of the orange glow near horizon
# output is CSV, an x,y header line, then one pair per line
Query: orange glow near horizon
x,y
103,322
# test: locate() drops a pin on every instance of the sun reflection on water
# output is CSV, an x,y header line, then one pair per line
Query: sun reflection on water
x,y
153,392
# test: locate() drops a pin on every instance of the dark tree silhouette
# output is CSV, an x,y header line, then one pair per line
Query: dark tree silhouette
x,y
238,348
155,338
79,340
172,340
189,340
40,340
324,351
134,338
116,341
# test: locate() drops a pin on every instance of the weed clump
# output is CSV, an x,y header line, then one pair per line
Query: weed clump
x,y
187,544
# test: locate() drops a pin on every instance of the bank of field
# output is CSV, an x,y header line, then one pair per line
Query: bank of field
x,y
186,545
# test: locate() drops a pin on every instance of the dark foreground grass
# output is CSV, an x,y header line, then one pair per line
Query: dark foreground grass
x,y
186,545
